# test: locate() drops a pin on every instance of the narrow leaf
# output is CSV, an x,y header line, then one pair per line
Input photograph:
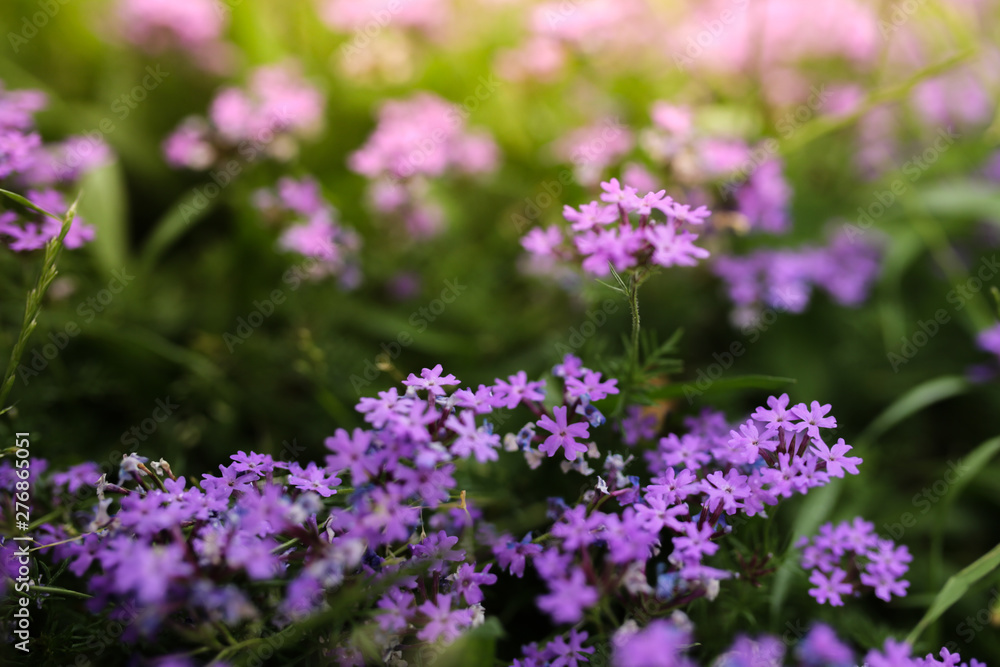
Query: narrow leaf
x,y
955,588
913,401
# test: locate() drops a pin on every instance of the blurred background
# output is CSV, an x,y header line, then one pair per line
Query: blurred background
x,y
860,136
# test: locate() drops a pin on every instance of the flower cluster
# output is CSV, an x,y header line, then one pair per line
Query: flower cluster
x,y
275,542
313,232
416,139
423,16
784,279
603,233
38,169
848,557
193,26
265,119
701,483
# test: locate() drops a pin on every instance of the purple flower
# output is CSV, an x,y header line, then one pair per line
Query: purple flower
x,y
659,644
508,394
480,401
765,197
543,242
813,418
350,451
674,247
467,581
512,555
726,490
431,380
568,653
657,513
837,461
442,621
829,588
988,340
637,425
472,439
893,654
695,542
399,607
591,385
563,435
568,597
822,647
590,215
312,478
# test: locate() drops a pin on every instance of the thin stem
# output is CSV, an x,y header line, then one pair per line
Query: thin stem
x,y
633,302
34,301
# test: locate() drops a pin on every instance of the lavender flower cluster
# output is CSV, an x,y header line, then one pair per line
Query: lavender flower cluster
x,y
42,171
784,279
264,120
312,229
850,556
273,542
603,234
419,138
665,643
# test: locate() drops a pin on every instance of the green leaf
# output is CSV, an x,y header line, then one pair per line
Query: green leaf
x,y
25,202
105,208
824,125
955,588
914,401
961,199
769,382
816,508
185,213
476,648
975,462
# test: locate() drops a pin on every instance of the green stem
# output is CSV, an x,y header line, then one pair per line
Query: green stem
x,y
60,591
633,303
34,301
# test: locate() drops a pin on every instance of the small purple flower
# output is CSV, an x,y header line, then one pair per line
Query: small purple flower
x,y
431,380
726,491
568,597
591,385
443,622
563,435
837,461
813,418
313,478
829,588
508,394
